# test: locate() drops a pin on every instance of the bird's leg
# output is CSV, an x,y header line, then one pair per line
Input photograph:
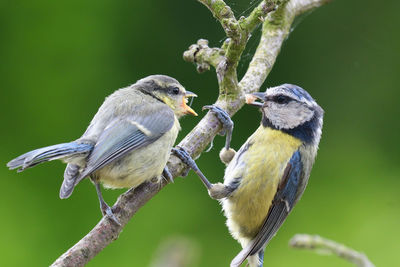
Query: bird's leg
x,y
216,191
105,209
227,153
184,156
167,175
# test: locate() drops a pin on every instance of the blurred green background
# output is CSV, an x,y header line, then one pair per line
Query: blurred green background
x,y
59,59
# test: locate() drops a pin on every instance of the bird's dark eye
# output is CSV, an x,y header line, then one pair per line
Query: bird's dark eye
x,y
175,90
281,99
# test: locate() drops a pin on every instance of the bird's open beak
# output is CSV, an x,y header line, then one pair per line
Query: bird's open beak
x,y
186,108
251,99
190,94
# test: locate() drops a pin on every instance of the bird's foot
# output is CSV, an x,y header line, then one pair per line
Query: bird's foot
x,y
226,153
184,156
167,174
223,117
107,211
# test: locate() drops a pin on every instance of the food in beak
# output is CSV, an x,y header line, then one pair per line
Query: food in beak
x,y
251,99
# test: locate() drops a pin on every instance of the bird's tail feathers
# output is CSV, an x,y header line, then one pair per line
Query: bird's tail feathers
x,y
241,257
255,259
37,156
70,175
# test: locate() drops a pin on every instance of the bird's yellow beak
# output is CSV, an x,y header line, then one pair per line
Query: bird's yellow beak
x,y
186,108
251,99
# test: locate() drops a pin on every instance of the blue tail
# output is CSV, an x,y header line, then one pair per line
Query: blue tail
x,y
44,154
261,258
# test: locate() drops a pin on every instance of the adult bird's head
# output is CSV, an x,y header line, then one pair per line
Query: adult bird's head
x,y
169,91
290,109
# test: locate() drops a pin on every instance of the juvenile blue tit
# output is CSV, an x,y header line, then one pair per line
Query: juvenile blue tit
x,y
127,142
267,176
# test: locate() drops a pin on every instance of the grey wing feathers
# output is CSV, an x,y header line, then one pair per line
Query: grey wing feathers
x,y
128,133
44,154
280,209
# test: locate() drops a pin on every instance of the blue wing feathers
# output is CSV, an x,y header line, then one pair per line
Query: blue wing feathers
x,y
290,191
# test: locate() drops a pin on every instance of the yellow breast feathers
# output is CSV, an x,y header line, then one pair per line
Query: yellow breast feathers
x,y
260,169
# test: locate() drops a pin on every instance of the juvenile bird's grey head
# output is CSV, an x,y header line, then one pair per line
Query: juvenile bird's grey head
x,y
167,90
290,109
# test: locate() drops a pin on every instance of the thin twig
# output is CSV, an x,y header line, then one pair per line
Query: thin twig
x,y
222,12
257,16
275,30
319,244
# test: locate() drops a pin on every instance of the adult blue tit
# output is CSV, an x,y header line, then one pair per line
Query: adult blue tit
x,y
127,142
267,176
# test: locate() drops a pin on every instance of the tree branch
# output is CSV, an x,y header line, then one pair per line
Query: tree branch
x,y
258,14
204,56
319,244
276,27
222,12
238,33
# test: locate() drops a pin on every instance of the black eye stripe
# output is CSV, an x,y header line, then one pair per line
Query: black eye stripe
x,y
282,99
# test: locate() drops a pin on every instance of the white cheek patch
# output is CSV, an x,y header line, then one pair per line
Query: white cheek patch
x,y
288,116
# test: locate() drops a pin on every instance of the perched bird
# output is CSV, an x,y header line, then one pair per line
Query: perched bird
x,y
127,142
267,176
